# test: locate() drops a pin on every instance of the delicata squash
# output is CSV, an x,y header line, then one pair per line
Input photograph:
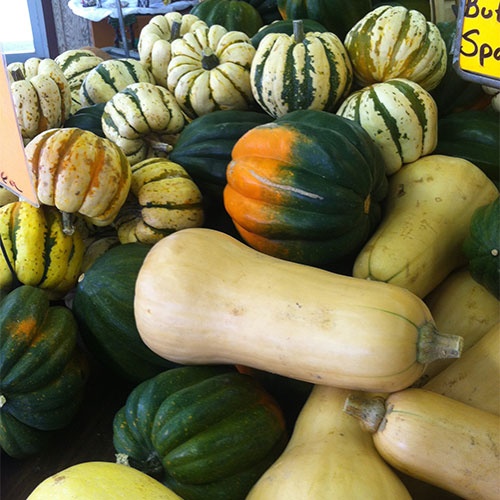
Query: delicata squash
x,y
298,321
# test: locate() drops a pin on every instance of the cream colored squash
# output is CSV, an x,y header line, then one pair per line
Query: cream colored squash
x,y
329,457
474,379
101,481
436,439
203,297
428,210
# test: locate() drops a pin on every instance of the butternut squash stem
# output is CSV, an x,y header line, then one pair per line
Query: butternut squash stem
x,y
432,345
175,32
68,223
298,30
370,411
209,60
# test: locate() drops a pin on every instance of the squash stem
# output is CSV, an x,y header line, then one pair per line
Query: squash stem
x,y
298,30
175,31
17,75
161,147
432,345
68,223
370,411
209,60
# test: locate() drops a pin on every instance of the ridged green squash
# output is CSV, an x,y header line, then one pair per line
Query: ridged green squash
x,y
338,16
207,432
104,308
474,136
454,94
306,188
42,373
88,118
268,10
204,147
286,26
482,247
234,15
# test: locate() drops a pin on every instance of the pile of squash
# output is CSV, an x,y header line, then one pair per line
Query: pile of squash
x,y
281,225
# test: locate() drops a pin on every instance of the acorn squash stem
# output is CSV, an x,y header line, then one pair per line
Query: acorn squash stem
x,y
175,31
370,411
17,75
209,60
432,345
68,223
159,146
298,30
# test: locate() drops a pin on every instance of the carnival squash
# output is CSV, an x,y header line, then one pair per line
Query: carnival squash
x,y
427,216
206,432
307,187
298,321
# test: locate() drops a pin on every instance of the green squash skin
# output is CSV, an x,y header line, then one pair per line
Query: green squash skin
x,y
474,136
42,373
482,247
422,6
337,16
205,431
204,147
234,15
268,10
286,27
88,118
453,94
104,308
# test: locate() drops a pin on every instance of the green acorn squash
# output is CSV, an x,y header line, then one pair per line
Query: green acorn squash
x,y
268,10
286,26
88,118
306,188
234,15
104,308
482,247
207,432
42,373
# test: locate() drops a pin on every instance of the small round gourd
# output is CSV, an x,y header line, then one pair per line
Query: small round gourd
x,y
399,115
394,42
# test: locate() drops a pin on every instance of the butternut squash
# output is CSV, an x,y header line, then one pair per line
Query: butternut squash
x,y
428,211
203,297
436,439
474,379
329,457
460,305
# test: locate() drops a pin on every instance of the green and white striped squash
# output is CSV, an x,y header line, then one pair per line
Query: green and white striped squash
x,y
110,77
399,115
76,65
139,116
298,72
210,70
155,39
394,42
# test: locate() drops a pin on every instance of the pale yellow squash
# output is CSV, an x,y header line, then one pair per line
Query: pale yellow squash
x,y
436,439
329,457
474,379
101,481
428,211
203,297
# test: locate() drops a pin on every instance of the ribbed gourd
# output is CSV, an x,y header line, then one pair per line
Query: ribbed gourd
x,y
300,71
79,172
205,431
399,115
394,42
167,201
111,76
140,118
210,70
42,371
155,39
41,95
37,251
76,64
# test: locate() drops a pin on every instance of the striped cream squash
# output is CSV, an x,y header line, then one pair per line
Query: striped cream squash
x,y
394,42
399,115
138,117
76,65
41,95
293,72
155,39
168,200
210,70
111,76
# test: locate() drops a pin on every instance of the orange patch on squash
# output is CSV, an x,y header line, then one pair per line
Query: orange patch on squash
x,y
24,328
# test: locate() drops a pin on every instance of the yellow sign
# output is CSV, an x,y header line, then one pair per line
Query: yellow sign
x,y
15,173
480,44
